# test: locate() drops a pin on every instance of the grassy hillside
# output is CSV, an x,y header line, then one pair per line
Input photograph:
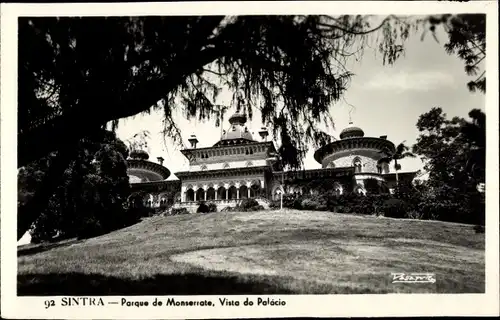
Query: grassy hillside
x,y
259,252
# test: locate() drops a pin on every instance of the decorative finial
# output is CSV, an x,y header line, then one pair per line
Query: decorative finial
x,y
193,141
263,133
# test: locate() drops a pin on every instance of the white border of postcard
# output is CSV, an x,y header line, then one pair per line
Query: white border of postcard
x,y
296,305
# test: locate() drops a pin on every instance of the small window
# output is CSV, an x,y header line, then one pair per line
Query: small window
x,y
234,128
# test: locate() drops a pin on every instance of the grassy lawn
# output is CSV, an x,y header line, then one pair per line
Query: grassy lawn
x,y
259,252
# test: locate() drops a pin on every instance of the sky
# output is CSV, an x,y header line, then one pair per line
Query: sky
x,y
381,99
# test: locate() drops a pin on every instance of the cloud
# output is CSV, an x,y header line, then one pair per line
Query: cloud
x,y
411,81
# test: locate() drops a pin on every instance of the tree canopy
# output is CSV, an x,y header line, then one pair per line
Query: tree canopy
x,y
89,200
454,155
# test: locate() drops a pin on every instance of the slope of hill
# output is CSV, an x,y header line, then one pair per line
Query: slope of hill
x,y
260,252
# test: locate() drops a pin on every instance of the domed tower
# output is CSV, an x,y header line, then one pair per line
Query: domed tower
x,y
140,170
365,154
237,133
351,131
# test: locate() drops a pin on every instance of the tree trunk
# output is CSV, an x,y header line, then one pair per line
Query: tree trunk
x,y
396,167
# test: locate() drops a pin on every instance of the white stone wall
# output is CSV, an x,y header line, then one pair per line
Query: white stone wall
x,y
368,164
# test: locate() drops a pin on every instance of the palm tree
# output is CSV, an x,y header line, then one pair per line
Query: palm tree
x,y
400,152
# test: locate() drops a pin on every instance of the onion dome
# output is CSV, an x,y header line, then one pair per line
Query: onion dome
x,y
351,132
238,118
139,155
238,130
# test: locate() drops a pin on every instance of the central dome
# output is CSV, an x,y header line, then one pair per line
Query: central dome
x,y
238,118
351,132
237,130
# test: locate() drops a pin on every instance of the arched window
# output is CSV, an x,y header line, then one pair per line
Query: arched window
x,y
189,194
357,164
221,193
211,193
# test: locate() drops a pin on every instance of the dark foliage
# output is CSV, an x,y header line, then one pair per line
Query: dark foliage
x,y
454,153
248,204
91,199
212,207
394,208
179,211
203,208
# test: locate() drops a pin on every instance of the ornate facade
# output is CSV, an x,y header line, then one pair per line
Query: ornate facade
x,y
238,167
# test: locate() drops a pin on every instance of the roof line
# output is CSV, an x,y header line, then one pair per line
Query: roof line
x,y
228,146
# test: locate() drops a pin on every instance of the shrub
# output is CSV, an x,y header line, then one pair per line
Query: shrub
x,y
249,205
255,208
413,214
274,204
157,211
203,208
177,211
395,208
212,207
440,210
313,203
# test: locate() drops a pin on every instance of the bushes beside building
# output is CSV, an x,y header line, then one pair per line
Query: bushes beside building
x,y
407,202
246,205
250,205
329,201
178,211
395,208
204,207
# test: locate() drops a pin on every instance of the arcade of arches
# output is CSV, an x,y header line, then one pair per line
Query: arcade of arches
x,y
233,190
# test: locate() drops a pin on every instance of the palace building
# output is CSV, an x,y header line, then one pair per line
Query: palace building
x,y
238,166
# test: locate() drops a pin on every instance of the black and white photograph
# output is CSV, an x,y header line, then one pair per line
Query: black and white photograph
x,y
249,158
